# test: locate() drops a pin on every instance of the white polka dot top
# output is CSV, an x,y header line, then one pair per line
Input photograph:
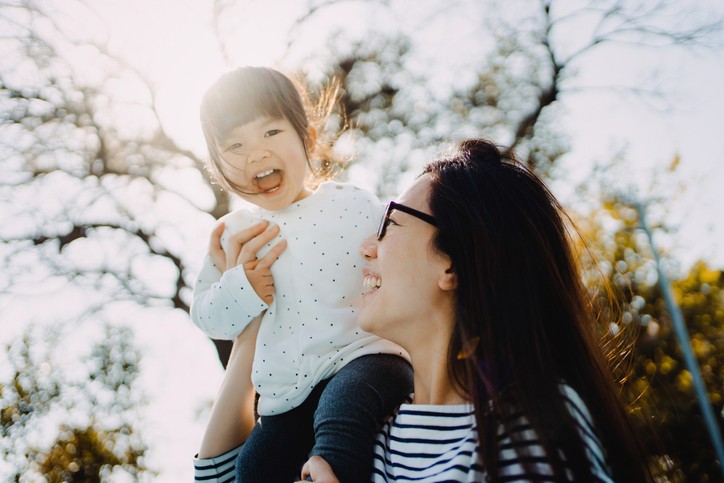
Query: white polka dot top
x,y
309,331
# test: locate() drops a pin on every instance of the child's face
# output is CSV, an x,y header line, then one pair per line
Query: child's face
x,y
266,159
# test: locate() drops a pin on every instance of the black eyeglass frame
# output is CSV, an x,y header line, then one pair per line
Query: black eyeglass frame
x,y
392,205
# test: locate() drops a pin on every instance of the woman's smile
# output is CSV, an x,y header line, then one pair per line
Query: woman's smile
x,y
372,281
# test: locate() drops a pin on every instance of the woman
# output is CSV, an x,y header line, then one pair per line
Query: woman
x,y
472,273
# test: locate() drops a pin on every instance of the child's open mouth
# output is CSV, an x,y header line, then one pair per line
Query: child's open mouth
x,y
268,181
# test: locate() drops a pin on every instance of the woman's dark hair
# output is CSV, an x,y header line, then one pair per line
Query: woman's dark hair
x,y
247,93
520,298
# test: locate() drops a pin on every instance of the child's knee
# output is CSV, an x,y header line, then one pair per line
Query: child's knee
x,y
368,389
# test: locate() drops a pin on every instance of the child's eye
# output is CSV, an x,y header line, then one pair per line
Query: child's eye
x,y
391,221
272,132
234,147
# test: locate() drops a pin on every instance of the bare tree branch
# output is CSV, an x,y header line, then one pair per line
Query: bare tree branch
x,y
79,231
217,13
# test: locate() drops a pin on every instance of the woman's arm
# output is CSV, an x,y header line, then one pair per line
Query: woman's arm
x,y
232,416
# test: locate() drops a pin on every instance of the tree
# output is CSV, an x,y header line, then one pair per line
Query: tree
x,y
510,91
100,438
101,197
652,372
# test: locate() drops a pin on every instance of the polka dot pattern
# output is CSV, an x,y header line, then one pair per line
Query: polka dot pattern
x,y
309,331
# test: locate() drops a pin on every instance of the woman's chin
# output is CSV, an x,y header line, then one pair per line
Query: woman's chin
x,y
368,321
364,322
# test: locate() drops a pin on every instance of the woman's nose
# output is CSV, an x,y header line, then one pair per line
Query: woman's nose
x,y
368,248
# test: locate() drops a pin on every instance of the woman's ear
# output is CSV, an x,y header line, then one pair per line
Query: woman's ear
x,y
448,280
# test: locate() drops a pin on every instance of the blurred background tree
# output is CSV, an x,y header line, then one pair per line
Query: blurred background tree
x,y
72,428
101,198
640,336
655,379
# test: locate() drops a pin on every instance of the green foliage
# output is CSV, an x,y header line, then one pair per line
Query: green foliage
x,y
91,419
654,377
665,383
88,455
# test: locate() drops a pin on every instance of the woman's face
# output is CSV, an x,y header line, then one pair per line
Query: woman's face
x,y
405,278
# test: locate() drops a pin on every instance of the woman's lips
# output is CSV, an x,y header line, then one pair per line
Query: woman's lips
x,y
371,282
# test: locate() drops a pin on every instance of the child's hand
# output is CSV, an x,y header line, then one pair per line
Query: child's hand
x,y
243,247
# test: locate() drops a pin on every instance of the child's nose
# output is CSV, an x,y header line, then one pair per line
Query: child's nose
x,y
257,154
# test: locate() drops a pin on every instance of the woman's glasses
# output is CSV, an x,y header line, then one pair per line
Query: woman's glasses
x,y
405,209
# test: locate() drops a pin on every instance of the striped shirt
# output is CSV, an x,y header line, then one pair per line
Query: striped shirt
x,y
426,443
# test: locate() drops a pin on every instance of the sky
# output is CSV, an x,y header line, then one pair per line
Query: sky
x,y
602,119
172,42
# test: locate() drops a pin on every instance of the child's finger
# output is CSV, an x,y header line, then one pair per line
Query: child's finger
x,y
232,254
239,239
215,237
251,264
272,255
252,247
243,236
216,251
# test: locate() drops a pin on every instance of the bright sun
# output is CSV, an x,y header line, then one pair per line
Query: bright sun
x,y
175,46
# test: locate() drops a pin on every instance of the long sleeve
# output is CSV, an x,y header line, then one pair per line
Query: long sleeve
x,y
223,305
310,330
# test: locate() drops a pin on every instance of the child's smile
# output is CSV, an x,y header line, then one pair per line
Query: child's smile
x,y
266,161
268,180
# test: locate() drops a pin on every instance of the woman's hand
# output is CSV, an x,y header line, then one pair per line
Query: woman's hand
x,y
318,470
242,249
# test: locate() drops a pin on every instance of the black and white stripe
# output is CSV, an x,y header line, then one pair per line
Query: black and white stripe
x,y
425,443
219,469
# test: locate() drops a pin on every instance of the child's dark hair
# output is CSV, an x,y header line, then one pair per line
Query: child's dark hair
x,y
244,94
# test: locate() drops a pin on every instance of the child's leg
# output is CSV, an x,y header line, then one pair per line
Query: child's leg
x,y
352,408
232,416
279,445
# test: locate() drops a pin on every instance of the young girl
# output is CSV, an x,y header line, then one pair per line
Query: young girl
x,y
324,385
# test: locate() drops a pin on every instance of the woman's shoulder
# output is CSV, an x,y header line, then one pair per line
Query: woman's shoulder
x,y
588,432
515,432
575,404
